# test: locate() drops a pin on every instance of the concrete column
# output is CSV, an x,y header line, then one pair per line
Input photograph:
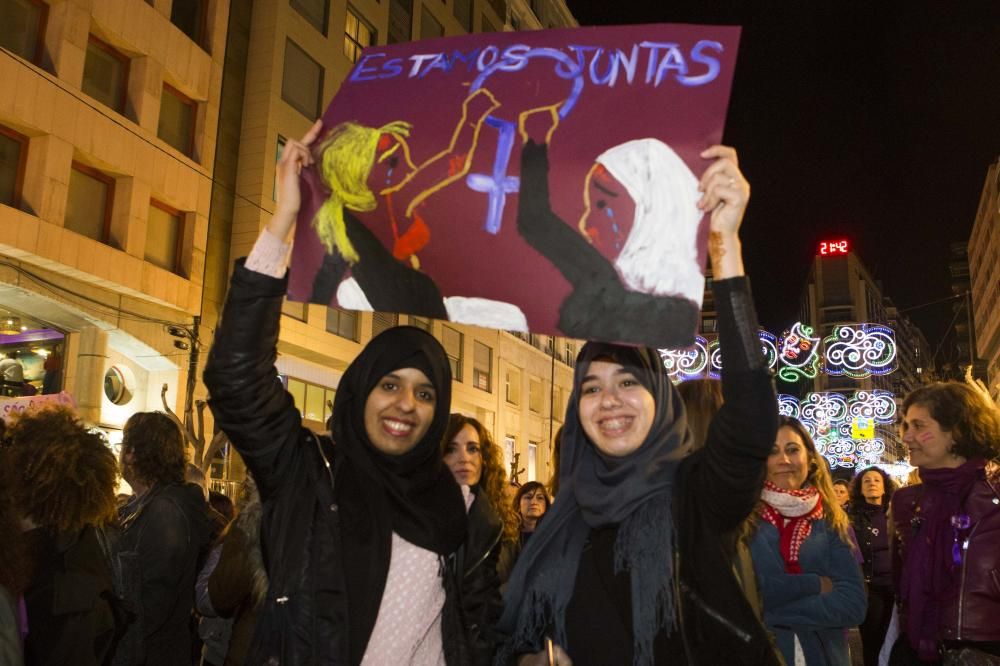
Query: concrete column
x,y
46,178
129,216
91,364
145,87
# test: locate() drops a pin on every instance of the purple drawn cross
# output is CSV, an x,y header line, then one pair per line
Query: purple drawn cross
x,y
498,184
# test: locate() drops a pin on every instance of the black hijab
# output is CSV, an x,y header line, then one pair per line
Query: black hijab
x,y
413,494
633,492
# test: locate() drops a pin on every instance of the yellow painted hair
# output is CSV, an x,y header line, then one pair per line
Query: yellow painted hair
x,y
347,157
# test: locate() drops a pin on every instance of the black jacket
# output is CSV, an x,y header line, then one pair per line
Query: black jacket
x,y
163,537
70,620
304,617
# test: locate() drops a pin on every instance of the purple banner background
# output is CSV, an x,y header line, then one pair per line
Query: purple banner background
x,y
461,256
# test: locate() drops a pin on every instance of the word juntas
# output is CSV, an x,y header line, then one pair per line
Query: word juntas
x,y
696,66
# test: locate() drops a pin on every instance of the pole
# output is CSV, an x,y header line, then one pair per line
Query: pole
x,y
192,377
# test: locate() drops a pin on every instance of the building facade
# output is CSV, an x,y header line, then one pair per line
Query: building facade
x,y
107,150
984,268
840,290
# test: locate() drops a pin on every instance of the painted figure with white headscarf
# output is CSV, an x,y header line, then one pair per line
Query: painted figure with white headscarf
x,y
641,216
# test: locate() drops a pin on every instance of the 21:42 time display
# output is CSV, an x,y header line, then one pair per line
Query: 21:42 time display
x,y
833,247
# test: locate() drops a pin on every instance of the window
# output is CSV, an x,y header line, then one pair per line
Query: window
x,y
382,321
512,386
88,206
570,354
277,158
294,310
550,345
302,81
535,395
163,236
509,447
342,322
708,325
451,340
400,21
176,120
532,460
423,323
482,367
535,340
105,74
463,12
315,12
429,26
13,152
312,400
22,24
357,35
189,17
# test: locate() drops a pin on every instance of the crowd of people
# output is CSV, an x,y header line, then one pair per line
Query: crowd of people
x,y
687,525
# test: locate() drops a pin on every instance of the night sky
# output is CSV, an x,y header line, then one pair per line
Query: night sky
x,y
874,121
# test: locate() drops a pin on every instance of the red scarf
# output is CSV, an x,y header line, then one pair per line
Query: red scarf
x,y
792,530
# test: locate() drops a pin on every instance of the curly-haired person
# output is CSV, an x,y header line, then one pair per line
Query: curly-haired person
x,y
61,479
164,530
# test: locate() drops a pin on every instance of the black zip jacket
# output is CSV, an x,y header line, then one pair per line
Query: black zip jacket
x,y
304,618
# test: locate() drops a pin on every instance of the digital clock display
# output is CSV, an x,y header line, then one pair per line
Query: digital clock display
x,y
833,247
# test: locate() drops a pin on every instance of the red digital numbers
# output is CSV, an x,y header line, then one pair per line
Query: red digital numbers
x,y
833,247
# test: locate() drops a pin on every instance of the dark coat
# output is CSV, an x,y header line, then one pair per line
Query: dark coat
x,y
70,620
304,617
972,614
168,530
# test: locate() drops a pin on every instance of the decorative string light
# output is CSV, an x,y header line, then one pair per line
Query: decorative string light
x,y
687,363
860,351
798,354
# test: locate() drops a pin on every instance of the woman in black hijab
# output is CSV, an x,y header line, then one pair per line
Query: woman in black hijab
x,y
361,530
633,563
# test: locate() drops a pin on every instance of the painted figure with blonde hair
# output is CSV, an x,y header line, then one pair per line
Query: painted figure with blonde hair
x,y
807,573
364,168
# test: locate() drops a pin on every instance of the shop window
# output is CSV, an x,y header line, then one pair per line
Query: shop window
x,y
164,231
312,400
190,17
452,341
88,206
13,153
430,27
302,81
177,116
22,27
382,321
315,12
357,35
342,322
105,74
482,367
532,461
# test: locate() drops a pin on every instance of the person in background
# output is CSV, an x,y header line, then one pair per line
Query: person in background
x,y
14,568
237,586
12,375
870,495
806,567
165,530
52,379
946,529
475,461
61,479
842,493
530,503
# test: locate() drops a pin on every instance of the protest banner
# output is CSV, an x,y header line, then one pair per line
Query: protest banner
x,y
542,181
10,407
